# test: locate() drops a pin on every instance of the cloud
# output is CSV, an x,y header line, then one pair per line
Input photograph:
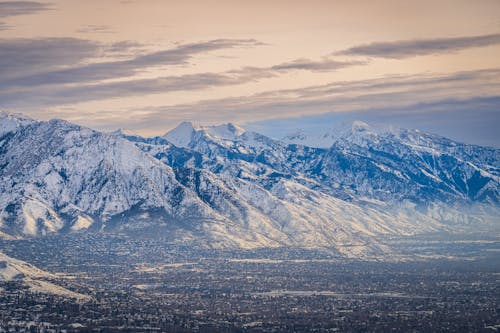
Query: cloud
x,y
324,65
37,91
26,56
54,71
56,95
390,100
179,55
123,48
92,28
387,95
412,48
14,8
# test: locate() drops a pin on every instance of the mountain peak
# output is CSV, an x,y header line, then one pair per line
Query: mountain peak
x,y
123,132
181,135
355,131
186,124
225,131
4,115
360,126
9,122
297,134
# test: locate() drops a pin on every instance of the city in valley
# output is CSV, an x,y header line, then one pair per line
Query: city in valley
x,y
122,284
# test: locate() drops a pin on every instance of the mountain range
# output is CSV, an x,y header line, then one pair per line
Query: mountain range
x,y
225,187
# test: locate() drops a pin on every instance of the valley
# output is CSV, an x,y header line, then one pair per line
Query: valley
x,y
145,286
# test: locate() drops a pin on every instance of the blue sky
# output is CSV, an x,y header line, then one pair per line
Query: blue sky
x,y
271,66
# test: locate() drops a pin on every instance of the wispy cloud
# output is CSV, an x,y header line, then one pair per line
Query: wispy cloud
x,y
324,65
416,47
37,91
392,94
13,8
56,71
98,29
56,95
59,49
20,57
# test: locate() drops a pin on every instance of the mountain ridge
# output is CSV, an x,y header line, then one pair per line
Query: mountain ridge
x,y
222,186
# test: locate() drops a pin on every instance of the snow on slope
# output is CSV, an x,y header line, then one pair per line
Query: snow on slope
x,y
182,135
36,279
58,177
11,122
226,131
54,174
301,137
327,137
185,133
336,190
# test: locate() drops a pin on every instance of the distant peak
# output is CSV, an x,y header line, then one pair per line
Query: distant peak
x,y
6,115
10,122
327,136
185,124
123,132
360,126
235,128
181,135
297,134
225,131
182,127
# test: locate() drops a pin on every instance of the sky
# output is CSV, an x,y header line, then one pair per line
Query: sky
x,y
269,65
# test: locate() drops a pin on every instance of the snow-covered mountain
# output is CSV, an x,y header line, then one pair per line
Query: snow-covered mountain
x,y
223,186
391,164
419,181
186,133
326,138
55,171
60,177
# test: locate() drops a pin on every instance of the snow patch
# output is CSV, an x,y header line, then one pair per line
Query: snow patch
x,y
82,222
181,135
